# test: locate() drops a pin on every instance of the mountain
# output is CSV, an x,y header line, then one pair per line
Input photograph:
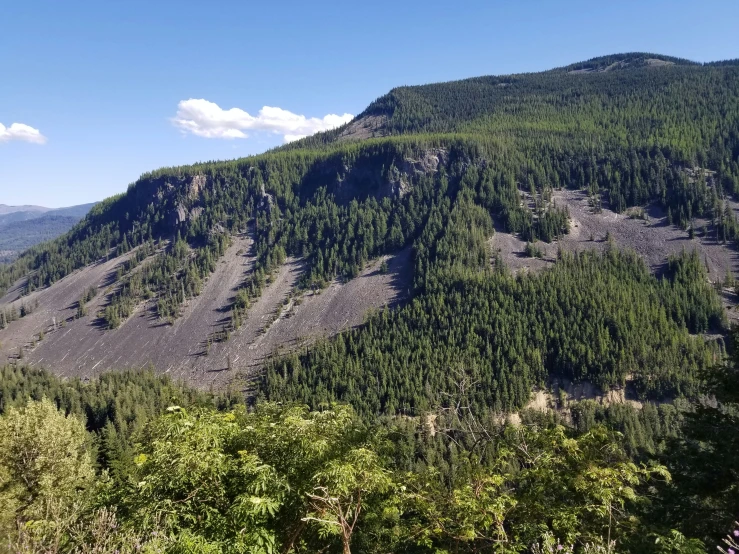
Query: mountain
x,y
524,230
24,226
512,103
486,315
10,214
5,209
78,211
16,237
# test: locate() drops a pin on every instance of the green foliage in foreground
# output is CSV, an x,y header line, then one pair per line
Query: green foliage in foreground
x,y
285,479
282,478
114,407
45,461
703,458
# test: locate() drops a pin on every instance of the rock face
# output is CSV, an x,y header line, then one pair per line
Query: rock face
x,y
266,201
182,194
427,164
197,183
182,197
394,179
186,207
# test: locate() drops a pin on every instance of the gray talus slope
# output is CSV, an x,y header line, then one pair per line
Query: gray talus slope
x,y
276,321
57,303
653,239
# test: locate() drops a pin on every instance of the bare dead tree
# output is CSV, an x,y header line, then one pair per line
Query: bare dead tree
x,y
330,511
458,421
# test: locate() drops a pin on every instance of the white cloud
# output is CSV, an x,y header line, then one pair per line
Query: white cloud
x,y
207,119
20,131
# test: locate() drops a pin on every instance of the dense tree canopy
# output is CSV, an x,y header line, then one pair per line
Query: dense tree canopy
x,y
283,478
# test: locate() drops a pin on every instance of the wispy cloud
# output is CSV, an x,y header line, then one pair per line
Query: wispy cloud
x,y
20,131
207,119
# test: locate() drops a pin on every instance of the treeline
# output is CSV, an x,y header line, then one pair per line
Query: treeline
x,y
114,406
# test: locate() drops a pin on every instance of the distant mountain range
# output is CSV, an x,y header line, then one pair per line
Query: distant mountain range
x,y
5,209
24,226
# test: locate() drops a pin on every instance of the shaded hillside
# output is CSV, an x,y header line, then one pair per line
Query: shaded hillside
x,y
24,226
10,214
18,236
450,165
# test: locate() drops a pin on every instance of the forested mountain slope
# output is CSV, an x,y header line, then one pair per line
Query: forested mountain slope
x,y
206,271
6,210
17,237
556,249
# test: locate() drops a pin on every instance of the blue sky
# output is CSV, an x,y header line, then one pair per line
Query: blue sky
x,y
107,84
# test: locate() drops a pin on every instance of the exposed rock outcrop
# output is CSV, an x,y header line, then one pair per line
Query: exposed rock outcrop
x,y
360,181
266,201
366,127
427,163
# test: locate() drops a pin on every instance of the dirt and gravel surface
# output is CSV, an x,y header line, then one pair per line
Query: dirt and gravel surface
x,y
84,348
653,239
280,319
53,307
340,306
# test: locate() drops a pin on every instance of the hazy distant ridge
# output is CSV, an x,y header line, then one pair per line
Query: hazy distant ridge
x,y
24,226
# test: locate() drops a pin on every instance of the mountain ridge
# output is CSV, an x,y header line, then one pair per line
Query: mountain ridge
x,y
8,209
377,118
553,164
22,227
